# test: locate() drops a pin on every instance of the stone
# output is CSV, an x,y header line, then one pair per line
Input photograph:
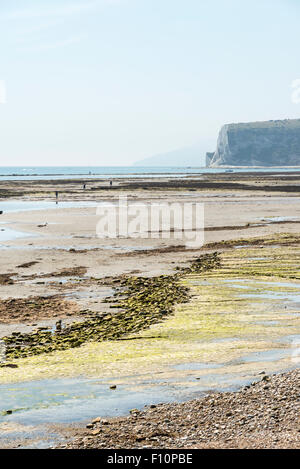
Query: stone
x,y
134,411
96,432
96,420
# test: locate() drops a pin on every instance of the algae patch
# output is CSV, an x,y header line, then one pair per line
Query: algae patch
x,y
143,302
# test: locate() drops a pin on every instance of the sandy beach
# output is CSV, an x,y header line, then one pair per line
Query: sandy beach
x,y
50,235
54,268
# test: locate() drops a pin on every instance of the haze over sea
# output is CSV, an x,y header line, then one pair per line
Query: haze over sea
x,y
106,172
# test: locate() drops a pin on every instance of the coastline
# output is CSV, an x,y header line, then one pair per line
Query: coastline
x,y
63,259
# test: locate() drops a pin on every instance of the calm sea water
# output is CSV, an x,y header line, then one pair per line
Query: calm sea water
x,y
106,172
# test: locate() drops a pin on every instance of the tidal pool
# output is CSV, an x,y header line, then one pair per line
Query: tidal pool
x,y
32,407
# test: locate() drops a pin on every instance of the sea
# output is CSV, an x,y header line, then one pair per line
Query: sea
x,y
110,172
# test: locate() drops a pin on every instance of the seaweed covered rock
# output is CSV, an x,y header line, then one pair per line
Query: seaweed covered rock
x,y
142,301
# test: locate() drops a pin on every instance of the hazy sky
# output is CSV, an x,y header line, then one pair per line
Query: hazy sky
x,y
103,82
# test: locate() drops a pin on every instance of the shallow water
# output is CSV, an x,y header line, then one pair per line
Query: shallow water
x,y
21,206
63,401
80,247
59,280
196,366
80,399
292,339
280,219
110,172
98,293
272,295
263,292
76,399
266,356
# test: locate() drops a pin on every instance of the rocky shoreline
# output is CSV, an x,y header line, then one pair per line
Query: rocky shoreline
x,y
264,415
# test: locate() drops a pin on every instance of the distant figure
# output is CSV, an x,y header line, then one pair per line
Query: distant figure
x,y
56,195
84,186
110,183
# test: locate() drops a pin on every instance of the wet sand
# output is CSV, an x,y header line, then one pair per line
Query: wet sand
x,y
63,238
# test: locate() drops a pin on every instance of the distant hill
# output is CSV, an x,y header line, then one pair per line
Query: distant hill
x,y
188,156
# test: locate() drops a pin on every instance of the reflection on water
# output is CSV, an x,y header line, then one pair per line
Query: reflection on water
x,y
61,401
196,366
76,399
266,356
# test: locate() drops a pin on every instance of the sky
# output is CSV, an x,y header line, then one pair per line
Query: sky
x,y
110,82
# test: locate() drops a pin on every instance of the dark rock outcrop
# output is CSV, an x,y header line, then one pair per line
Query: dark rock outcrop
x,y
272,143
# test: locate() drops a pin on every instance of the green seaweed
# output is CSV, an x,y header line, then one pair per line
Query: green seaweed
x,y
143,302
198,314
